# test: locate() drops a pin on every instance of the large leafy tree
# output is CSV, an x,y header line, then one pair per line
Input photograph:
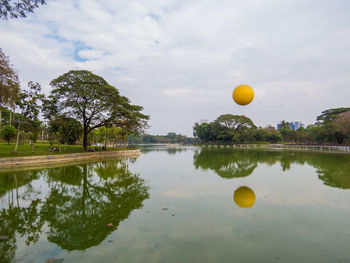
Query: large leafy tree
x,y
327,120
88,98
18,8
330,115
227,128
342,123
234,128
235,122
9,83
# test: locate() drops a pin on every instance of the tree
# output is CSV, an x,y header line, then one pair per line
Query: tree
x,y
316,133
330,115
29,104
285,131
226,128
19,8
65,129
268,134
274,137
8,132
203,132
236,128
100,135
9,83
88,98
235,122
302,136
342,123
327,119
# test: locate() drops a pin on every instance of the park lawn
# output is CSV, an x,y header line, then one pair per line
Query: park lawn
x,y
6,150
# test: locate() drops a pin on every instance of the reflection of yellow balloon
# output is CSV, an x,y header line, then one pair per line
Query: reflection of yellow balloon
x,y
244,197
243,94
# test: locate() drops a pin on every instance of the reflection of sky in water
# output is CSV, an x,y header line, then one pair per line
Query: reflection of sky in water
x,y
293,209
191,215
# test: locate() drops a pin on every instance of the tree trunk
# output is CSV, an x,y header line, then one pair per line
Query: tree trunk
x,y
84,186
14,115
19,130
10,117
106,138
85,141
17,199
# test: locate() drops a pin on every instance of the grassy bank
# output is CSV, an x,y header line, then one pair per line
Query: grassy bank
x,y
43,149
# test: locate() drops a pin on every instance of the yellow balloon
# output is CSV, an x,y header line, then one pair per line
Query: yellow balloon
x,y
244,197
243,94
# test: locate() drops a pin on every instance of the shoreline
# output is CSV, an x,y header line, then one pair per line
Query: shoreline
x,y
32,161
295,147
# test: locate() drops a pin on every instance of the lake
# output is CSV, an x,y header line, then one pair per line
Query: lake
x,y
185,204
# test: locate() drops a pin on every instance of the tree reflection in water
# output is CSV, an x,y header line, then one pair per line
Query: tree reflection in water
x,y
225,162
78,215
15,218
332,168
85,203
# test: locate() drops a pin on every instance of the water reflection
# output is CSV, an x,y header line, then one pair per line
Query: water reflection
x,y
170,149
14,218
81,204
225,162
244,197
332,169
12,181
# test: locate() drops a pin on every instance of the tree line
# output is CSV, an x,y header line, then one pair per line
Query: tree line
x,y
332,127
80,105
171,137
231,163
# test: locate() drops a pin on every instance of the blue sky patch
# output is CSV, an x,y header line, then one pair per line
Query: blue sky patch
x,y
78,46
154,16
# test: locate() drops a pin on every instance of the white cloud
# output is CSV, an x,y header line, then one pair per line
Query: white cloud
x,y
181,59
178,92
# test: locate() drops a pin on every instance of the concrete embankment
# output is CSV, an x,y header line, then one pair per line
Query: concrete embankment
x,y
64,158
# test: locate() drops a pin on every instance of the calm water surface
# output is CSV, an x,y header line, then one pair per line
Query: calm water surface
x,y
181,205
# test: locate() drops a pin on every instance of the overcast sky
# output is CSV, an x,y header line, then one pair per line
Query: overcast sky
x,y
181,60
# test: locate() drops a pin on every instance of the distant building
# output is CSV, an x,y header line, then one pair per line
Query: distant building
x,y
294,125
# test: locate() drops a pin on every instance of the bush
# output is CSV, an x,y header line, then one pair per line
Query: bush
x,y
7,132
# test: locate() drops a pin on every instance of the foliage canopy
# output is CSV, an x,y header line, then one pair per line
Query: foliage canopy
x,y
18,8
88,98
9,83
7,132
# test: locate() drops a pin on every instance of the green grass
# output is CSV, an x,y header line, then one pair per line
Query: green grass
x,y
42,149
